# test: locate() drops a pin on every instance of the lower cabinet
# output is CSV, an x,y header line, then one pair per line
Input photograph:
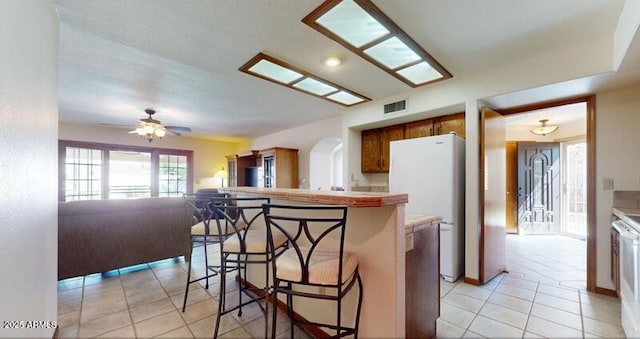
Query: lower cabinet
x,y
422,284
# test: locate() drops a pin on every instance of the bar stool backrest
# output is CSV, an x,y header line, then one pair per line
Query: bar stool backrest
x,y
237,215
310,230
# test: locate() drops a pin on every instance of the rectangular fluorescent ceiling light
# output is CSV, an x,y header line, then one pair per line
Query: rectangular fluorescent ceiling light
x,y
277,71
361,27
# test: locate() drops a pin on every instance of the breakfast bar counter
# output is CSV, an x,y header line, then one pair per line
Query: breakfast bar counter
x,y
376,231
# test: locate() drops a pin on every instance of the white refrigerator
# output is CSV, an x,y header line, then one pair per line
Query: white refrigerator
x,y
431,171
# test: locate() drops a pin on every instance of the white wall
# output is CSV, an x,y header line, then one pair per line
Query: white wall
x,y
617,157
303,138
28,165
208,155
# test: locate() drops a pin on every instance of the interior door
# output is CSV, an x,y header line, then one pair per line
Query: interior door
x,y
512,187
539,187
492,194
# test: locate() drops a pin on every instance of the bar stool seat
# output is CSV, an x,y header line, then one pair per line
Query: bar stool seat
x,y
200,229
315,256
255,241
323,266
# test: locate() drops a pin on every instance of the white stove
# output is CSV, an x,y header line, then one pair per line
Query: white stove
x,y
629,228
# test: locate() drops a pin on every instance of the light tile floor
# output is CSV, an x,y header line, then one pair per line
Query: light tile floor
x,y
543,295
145,301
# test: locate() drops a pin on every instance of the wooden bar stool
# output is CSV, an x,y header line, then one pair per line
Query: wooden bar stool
x,y
314,256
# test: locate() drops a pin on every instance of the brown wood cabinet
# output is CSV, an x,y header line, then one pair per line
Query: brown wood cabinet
x,y
450,123
370,157
418,129
422,284
280,167
375,148
236,165
374,157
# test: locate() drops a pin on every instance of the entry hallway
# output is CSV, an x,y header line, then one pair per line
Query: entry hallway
x,y
532,300
543,295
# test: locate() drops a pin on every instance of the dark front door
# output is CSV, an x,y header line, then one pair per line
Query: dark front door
x,y
538,187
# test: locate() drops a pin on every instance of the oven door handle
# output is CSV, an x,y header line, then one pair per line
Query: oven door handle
x,y
623,232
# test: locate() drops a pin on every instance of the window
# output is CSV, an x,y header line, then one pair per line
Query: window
x,y
84,168
173,175
104,171
129,174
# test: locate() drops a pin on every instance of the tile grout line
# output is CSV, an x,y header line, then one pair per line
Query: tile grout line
x,y
535,294
133,325
174,306
484,302
581,314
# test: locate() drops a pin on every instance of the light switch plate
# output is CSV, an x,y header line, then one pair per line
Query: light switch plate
x,y
607,184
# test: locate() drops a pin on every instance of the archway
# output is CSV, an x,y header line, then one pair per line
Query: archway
x,y
325,165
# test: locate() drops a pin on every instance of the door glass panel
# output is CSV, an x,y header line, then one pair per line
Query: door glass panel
x,y
269,171
129,174
538,172
576,193
172,177
83,169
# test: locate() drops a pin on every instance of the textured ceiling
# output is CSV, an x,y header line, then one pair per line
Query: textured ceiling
x,y
118,57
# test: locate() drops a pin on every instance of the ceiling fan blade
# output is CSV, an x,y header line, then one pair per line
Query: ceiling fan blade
x,y
115,125
173,133
178,128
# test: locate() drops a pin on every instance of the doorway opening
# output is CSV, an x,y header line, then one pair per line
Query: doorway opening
x,y
325,165
547,195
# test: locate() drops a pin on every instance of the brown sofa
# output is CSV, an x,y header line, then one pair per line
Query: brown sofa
x,y
101,235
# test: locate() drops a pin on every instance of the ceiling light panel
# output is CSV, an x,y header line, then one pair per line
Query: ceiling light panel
x,y
279,72
363,28
421,73
274,71
392,53
345,98
314,86
353,24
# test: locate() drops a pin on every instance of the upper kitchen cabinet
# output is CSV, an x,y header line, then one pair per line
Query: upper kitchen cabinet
x,y
418,129
237,165
370,159
375,148
450,123
280,167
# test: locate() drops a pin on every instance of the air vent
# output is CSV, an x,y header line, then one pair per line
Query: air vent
x,y
395,106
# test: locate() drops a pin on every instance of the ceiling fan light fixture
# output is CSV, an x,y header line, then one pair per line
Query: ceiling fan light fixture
x,y
150,128
544,129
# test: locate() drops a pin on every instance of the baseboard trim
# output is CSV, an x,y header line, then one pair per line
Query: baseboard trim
x,y
606,291
472,281
313,331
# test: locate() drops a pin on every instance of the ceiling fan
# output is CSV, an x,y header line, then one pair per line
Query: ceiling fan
x,y
150,128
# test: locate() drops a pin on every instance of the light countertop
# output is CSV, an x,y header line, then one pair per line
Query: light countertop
x,y
348,198
413,222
